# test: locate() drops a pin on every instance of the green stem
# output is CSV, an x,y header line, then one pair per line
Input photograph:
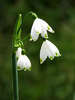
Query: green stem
x,y
15,78
33,14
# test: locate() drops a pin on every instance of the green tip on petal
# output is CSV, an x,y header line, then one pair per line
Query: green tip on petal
x,y
30,38
53,31
46,36
24,69
51,58
48,27
40,61
30,69
37,33
56,54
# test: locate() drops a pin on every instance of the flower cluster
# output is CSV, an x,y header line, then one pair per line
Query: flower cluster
x,y
48,49
23,62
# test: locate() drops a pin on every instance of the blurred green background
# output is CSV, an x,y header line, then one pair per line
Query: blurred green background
x,y
53,80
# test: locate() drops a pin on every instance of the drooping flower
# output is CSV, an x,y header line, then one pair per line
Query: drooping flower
x,y
49,50
40,27
23,62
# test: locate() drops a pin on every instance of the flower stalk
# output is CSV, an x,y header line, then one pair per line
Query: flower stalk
x,y
16,44
15,77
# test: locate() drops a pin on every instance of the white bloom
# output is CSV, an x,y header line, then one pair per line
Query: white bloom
x,y
18,52
49,50
40,27
23,63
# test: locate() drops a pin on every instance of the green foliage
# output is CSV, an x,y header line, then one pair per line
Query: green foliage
x,y
17,32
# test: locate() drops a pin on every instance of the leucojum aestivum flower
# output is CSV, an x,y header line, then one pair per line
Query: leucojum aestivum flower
x,y
48,49
20,61
23,62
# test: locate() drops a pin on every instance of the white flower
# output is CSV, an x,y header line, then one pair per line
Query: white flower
x,y
18,52
49,50
40,27
23,63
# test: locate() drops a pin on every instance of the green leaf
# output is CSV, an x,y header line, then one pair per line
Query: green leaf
x,y
18,27
18,30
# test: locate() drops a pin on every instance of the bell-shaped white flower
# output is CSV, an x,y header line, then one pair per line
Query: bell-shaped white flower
x,y
49,50
18,52
40,27
23,63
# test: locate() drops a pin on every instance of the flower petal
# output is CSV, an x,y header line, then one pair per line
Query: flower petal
x,y
23,63
37,26
18,52
34,31
34,36
43,54
44,34
49,54
52,48
45,25
50,29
